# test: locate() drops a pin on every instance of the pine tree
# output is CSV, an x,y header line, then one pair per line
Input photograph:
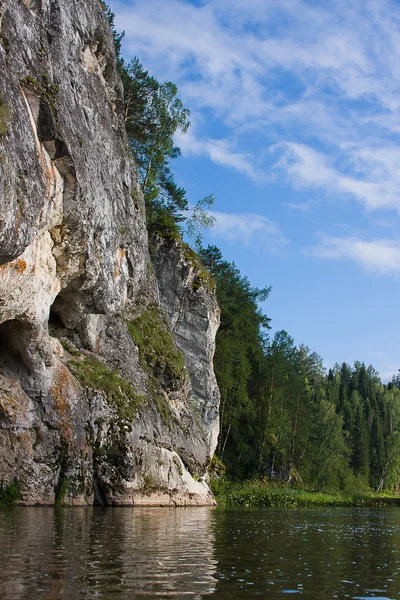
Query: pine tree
x,y
360,456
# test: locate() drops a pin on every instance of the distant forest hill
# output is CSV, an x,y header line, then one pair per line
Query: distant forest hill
x,y
281,414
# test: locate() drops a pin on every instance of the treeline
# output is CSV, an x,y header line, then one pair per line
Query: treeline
x,y
282,415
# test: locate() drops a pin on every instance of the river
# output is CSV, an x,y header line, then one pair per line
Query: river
x,y
129,553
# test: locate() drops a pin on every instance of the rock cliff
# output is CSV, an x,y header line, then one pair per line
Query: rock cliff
x,y
107,392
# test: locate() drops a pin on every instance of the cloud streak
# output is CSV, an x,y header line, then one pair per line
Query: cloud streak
x,y
220,152
377,256
376,187
250,230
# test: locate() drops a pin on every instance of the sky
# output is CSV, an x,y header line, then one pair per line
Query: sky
x,y
295,129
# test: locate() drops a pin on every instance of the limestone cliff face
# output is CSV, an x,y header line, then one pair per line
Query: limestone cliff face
x,y
107,392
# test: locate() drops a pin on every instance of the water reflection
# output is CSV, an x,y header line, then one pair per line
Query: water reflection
x,y
315,553
106,553
126,553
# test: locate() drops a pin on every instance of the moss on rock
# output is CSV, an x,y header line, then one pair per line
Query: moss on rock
x,y
120,392
158,351
44,88
203,278
4,117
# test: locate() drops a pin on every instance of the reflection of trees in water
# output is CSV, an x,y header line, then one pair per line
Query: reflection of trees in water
x,y
106,553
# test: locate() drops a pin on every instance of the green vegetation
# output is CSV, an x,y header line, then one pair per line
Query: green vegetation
x,y
4,118
261,494
153,114
149,484
161,403
44,88
61,491
158,355
66,344
204,278
157,349
217,471
120,392
283,416
9,494
112,453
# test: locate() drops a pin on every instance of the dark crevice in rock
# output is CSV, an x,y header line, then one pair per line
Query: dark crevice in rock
x,y
66,310
100,498
46,123
55,321
12,343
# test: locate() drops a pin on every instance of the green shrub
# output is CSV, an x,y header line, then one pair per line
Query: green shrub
x,y
217,468
203,278
262,494
66,344
10,493
159,356
161,222
44,88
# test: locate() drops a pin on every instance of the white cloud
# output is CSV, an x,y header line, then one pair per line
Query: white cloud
x,y
324,76
304,207
220,152
376,187
248,229
378,256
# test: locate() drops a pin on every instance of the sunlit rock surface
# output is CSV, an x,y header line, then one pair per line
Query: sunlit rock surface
x,y
86,414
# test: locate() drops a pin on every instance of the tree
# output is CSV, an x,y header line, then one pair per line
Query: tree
x,y
280,413
153,114
377,451
200,219
238,362
118,37
328,452
395,382
360,456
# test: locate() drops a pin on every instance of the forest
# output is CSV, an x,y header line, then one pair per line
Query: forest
x,y
283,416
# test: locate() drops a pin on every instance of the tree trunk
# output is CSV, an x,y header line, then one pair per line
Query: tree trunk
x,y
226,439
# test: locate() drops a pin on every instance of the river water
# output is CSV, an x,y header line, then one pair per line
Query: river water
x,y
125,553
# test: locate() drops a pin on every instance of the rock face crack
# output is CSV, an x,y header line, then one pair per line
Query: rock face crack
x,y
82,419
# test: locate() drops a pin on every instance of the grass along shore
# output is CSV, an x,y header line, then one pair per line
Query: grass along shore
x,y
262,494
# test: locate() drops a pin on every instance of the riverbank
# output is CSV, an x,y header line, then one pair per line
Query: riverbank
x,y
262,494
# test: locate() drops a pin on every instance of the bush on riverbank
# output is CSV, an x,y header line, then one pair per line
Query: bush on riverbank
x,y
263,494
9,494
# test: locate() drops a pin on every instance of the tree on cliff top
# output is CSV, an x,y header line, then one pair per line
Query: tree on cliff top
x,y
153,115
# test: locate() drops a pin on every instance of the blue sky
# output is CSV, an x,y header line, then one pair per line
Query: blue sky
x,y
295,111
